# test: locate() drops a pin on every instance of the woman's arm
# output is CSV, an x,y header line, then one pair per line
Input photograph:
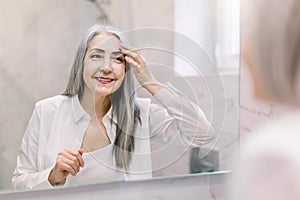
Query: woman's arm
x,y
176,113
26,174
177,116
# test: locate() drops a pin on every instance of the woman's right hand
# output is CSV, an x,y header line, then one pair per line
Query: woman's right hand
x,y
67,162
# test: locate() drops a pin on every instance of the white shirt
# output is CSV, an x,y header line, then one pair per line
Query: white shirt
x,y
59,123
97,168
270,162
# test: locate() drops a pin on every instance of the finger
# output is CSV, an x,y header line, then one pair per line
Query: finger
x,y
73,163
81,161
70,160
77,155
143,58
127,47
68,168
139,52
131,61
80,151
64,168
133,52
134,56
71,151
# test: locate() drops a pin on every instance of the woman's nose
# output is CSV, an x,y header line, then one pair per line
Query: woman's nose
x,y
106,66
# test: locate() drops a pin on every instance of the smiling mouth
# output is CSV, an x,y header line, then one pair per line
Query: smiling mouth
x,y
104,80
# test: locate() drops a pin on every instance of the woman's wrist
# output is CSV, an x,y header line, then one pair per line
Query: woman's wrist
x,y
53,182
153,87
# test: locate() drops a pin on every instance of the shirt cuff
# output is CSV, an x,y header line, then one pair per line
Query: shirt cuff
x,y
45,184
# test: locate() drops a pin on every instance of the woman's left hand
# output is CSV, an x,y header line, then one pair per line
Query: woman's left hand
x,y
135,58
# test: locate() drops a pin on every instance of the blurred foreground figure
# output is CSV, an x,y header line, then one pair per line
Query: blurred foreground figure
x,y
269,167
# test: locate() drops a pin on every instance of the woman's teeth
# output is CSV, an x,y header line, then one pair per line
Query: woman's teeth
x,y
104,80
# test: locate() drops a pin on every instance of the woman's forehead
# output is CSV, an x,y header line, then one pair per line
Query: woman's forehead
x,y
106,42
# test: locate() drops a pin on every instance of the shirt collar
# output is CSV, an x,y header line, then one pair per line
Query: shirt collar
x,y
80,113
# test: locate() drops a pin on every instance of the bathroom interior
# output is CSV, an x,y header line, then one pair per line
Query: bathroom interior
x,y
194,45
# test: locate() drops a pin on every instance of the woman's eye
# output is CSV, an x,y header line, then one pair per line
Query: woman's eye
x,y
96,56
118,59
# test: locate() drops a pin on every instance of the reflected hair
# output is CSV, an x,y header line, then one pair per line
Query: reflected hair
x,y
274,33
124,105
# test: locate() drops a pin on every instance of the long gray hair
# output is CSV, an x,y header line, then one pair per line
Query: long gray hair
x,y
124,105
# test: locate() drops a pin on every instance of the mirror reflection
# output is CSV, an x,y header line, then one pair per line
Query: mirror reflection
x,y
114,105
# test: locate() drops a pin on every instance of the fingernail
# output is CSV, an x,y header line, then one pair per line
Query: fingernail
x,y
143,58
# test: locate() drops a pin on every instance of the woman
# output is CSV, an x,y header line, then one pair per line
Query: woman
x,y
98,130
270,162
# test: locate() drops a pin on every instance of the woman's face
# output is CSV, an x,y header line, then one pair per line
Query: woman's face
x,y
104,65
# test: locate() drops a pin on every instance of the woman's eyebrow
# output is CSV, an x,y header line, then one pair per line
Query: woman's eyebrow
x,y
117,53
103,51
97,49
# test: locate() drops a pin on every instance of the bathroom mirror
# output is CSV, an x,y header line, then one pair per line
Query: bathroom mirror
x,y
194,45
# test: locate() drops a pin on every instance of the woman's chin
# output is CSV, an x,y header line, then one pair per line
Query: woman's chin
x,y
100,91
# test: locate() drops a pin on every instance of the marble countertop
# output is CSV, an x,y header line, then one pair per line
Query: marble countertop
x,y
194,186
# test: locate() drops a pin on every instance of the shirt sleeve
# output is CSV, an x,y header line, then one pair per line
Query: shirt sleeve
x,y
177,117
26,174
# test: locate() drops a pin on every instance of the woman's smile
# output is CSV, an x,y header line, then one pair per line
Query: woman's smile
x,y
104,80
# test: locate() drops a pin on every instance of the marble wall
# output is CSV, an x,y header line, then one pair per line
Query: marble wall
x,y
37,43
38,40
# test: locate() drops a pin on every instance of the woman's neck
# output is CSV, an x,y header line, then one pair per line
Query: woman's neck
x,y
95,106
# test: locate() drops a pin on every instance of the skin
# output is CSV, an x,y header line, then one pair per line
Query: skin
x,y
103,73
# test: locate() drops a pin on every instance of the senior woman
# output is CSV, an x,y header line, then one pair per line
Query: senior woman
x,y
97,130
270,162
